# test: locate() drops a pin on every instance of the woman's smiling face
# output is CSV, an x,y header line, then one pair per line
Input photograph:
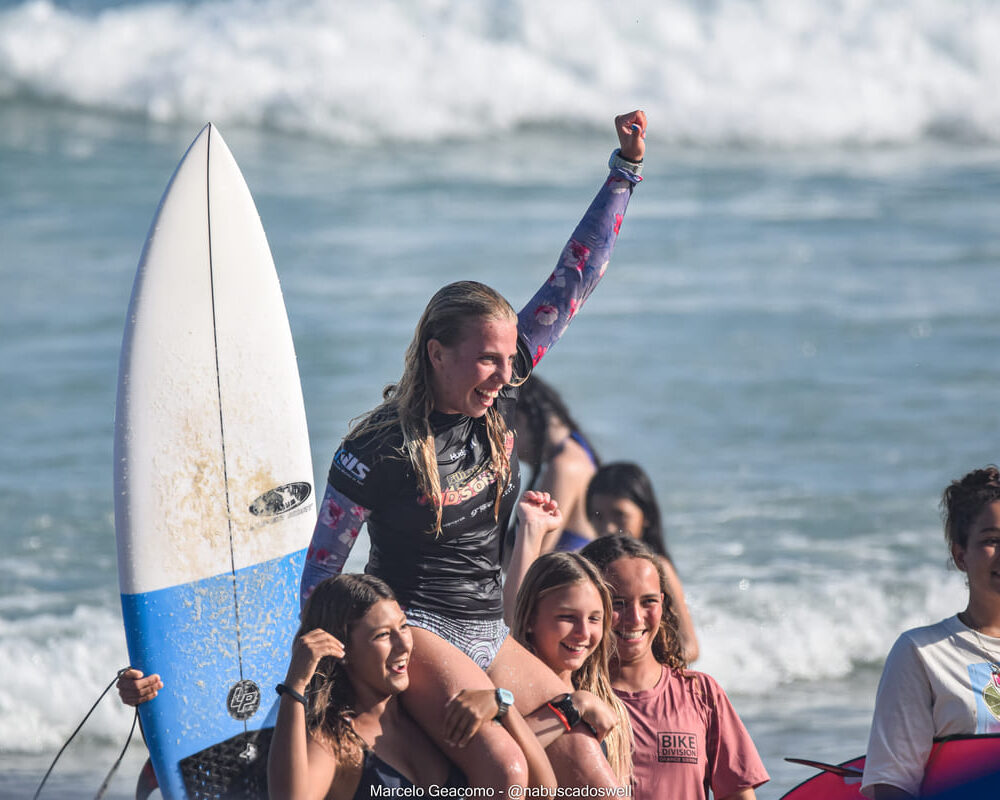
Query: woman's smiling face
x,y
567,627
637,606
467,377
378,653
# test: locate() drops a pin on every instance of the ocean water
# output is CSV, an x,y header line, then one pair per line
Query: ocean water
x,y
796,337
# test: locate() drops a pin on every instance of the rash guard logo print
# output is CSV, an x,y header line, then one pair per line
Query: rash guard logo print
x,y
676,747
350,465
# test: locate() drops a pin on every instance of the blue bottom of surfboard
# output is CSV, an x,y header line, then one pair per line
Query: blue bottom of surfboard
x,y
220,645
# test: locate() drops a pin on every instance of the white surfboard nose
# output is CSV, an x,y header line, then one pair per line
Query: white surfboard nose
x,y
210,415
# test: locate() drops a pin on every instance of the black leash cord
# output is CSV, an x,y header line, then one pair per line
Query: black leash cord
x,y
78,727
118,762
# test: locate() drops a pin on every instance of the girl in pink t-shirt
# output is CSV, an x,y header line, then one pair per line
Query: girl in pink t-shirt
x,y
688,737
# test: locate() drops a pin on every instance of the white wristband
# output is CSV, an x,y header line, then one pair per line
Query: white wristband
x,y
617,161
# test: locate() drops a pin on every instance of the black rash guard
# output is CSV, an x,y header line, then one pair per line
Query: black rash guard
x,y
456,571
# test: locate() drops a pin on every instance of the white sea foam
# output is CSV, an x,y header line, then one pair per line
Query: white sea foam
x,y
755,72
54,668
757,634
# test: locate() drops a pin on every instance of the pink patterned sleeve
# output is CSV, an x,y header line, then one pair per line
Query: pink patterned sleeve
x,y
337,528
581,265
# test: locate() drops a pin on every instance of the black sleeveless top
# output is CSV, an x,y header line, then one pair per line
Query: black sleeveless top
x,y
376,774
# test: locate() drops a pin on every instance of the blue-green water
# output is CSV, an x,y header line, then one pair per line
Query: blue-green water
x,y
797,342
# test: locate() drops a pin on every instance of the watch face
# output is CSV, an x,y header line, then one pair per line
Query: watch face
x,y
506,696
565,705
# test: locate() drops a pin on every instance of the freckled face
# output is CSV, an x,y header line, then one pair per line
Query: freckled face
x,y
610,514
567,627
378,653
467,377
637,607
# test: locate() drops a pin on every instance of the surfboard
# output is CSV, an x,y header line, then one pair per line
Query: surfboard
x,y
214,501
956,765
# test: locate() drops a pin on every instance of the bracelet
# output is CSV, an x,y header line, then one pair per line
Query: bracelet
x,y
564,708
561,716
281,689
617,161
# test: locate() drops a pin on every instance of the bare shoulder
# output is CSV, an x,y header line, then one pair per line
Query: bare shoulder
x,y
573,458
337,772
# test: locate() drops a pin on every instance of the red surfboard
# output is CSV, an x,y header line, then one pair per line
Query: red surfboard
x,y
954,761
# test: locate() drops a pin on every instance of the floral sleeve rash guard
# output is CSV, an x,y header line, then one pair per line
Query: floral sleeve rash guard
x,y
456,572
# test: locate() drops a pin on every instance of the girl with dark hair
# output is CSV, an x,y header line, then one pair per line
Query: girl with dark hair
x,y
688,737
341,732
944,679
620,499
561,458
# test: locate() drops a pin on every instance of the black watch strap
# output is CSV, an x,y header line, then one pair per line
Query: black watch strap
x,y
564,706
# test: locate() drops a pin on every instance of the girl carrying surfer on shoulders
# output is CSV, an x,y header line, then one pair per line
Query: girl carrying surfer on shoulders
x,y
352,736
944,679
620,499
688,737
430,472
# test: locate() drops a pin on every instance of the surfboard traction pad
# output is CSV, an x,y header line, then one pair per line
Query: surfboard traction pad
x,y
235,769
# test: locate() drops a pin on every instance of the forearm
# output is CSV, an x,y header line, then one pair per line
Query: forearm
x,y
336,531
539,769
545,724
526,548
288,762
581,265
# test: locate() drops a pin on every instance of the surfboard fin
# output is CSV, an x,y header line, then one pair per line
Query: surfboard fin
x,y
836,769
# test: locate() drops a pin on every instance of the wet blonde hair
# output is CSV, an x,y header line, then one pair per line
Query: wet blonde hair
x,y
549,573
410,401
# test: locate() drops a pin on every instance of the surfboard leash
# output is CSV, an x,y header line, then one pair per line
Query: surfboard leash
x,y
114,768
118,761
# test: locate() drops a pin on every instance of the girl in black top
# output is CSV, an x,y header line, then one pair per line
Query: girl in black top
x,y
341,732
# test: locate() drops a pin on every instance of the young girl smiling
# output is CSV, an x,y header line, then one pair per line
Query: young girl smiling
x,y
563,615
688,737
